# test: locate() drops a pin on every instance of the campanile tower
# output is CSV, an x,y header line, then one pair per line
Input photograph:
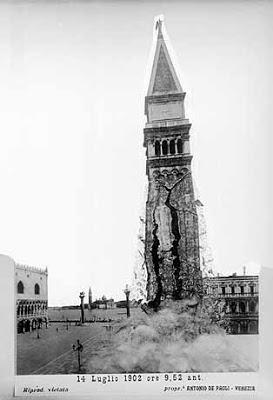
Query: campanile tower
x,y
171,233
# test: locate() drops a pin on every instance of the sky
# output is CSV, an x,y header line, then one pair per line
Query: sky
x,y
73,78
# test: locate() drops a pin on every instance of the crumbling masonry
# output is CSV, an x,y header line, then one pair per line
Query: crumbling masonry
x,y
171,233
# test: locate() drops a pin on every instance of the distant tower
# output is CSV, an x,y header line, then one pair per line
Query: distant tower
x,y
171,231
89,298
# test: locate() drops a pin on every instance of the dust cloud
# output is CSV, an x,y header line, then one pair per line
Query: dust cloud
x,y
172,340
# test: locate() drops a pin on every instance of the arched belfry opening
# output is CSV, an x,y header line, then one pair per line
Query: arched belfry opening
x,y
179,146
164,147
157,148
172,146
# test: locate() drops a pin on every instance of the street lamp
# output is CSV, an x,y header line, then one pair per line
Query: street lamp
x,y
127,294
82,306
79,348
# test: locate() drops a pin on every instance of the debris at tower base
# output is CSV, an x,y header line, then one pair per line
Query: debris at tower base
x,y
172,340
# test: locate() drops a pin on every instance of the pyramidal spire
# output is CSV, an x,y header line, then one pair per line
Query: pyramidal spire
x,y
164,79
164,102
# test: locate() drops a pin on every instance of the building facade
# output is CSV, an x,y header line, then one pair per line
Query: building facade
x,y
171,233
104,303
31,297
240,294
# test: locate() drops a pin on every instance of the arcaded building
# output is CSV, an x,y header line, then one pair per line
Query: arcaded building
x,y
31,297
241,300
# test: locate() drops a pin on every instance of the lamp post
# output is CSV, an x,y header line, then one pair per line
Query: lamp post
x,y
82,306
79,348
127,294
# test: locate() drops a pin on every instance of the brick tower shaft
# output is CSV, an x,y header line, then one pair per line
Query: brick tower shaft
x,y
171,232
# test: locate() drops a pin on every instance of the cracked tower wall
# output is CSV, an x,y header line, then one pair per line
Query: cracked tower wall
x,y
171,231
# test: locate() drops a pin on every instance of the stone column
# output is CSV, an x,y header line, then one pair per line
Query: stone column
x,y
175,144
82,306
237,306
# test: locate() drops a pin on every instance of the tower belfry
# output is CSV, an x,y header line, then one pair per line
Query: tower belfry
x,y
171,233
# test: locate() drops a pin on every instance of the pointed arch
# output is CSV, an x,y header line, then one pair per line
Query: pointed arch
x,y
20,287
36,289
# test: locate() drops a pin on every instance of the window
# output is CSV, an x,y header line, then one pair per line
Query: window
x,y
242,289
20,287
223,290
233,307
157,148
252,289
172,146
252,306
165,147
179,146
253,327
232,289
37,289
242,307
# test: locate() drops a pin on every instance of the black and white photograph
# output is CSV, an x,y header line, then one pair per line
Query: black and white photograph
x,y
135,166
